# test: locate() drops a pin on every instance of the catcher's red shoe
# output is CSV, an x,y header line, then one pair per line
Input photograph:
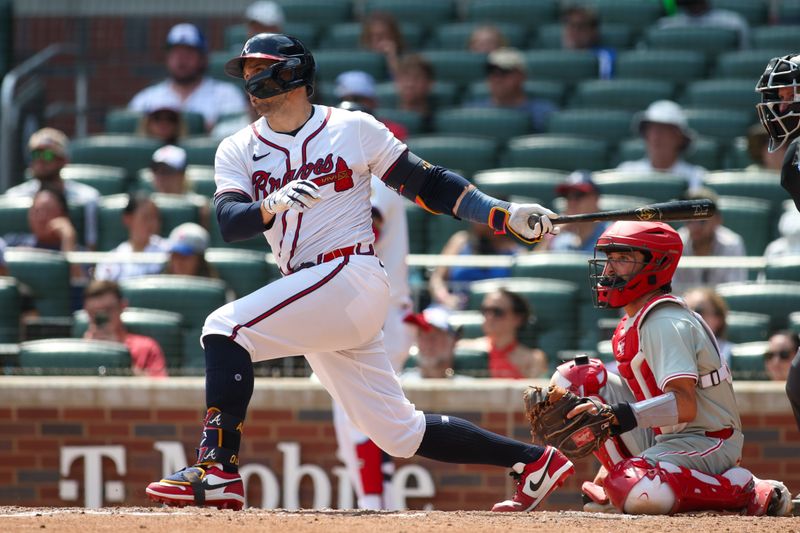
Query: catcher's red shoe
x,y
536,480
200,485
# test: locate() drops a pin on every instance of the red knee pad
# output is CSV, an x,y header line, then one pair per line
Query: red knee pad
x,y
635,486
582,379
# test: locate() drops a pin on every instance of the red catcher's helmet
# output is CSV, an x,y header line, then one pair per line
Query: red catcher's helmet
x,y
662,248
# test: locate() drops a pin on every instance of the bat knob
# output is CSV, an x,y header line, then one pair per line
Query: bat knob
x,y
533,220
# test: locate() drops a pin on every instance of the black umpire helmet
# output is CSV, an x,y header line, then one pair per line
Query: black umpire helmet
x,y
295,65
779,110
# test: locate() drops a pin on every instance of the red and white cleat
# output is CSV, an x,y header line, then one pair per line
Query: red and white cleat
x,y
200,485
536,480
770,498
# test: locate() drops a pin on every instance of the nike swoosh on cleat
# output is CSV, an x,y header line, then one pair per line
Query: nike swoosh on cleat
x,y
535,486
259,157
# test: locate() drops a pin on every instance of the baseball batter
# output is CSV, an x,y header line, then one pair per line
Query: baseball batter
x,y
301,176
673,384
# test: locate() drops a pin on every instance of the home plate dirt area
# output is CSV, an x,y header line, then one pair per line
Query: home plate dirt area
x,y
119,519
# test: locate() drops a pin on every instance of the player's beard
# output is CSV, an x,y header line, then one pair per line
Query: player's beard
x,y
269,106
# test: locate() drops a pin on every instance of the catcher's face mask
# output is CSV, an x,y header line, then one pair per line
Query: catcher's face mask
x,y
779,110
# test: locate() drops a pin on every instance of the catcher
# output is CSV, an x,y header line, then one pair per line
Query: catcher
x,y
667,432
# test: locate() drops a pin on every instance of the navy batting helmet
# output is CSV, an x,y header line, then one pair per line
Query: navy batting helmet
x,y
779,110
295,65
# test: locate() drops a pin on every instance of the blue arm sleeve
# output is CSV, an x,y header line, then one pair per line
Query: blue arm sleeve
x,y
239,218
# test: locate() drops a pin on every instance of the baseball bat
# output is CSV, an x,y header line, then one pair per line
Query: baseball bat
x,y
665,211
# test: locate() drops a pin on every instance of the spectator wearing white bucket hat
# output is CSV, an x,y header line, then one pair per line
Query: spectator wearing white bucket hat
x,y
667,136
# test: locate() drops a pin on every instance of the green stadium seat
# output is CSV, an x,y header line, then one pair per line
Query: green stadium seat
x,y
559,152
417,219
497,123
674,66
439,230
627,94
331,63
747,361
46,273
469,323
244,271
317,12
784,268
604,351
9,310
194,298
751,184
774,298
746,327
455,36
611,35
14,214
704,152
609,125
775,37
457,66
163,326
608,202
710,41
531,182
443,94
217,60
534,89
737,156
194,357
126,151
125,121
794,322
533,12
65,357
200,150
789,11
468,154
634,13
659,186
745,64
428,13
347,35
471,362
107,180
754,12
722,94
235,36
555,327
566,66
412,121
750,218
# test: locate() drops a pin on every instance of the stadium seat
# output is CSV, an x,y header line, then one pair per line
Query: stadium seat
x,y
627,94
457,66
107,180
467,154
412,121
747,361
471,362
534,89
754,12
784,268
745,64
235,36
794,322
443,94
347,35
746,327
428,13
750,184
468,323
455,36
9,310
163,326
724,94
244,271
200,150
607,202
46,273
126,151
610,125
554,304
776,37
789,11
532,12
611,35
194,357
634,13
14,214
497,123
659,186
194,298
331,63
737,156
567,66
774,298
439,230
318,12
417,219
559,152
704,152
674,66
750,218
125,121
532,182
710,41
70,357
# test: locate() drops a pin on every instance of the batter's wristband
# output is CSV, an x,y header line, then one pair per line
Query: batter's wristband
x,y
484,209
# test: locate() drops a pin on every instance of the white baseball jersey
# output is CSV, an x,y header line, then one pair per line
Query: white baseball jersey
x,y
337,149
392,246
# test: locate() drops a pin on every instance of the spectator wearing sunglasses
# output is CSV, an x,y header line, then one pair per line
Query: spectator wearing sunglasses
x,y
49,153
582,196
712,308
505,316
781,350
164,123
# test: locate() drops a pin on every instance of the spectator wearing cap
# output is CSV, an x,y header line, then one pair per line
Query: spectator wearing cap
x,y
505,315
667,136
582,196
164,123
708,237
187,86
49,153
435,347
264,17
580,30
701,14
505,75
187,248
143,220
169,170
359,87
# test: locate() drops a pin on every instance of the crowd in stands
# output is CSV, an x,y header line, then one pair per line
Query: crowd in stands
x,y
407,93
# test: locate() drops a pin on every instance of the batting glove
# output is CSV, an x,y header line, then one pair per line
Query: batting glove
x,y
519,215
298,195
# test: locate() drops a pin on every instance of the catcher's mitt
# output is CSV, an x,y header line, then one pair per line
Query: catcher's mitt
x,y
575,437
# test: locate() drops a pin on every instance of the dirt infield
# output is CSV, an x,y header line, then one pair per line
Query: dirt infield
x,y
188,519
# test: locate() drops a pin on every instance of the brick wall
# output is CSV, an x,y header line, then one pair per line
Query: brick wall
x,y
40,416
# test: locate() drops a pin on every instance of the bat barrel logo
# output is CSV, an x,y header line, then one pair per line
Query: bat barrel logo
x,y
647,213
